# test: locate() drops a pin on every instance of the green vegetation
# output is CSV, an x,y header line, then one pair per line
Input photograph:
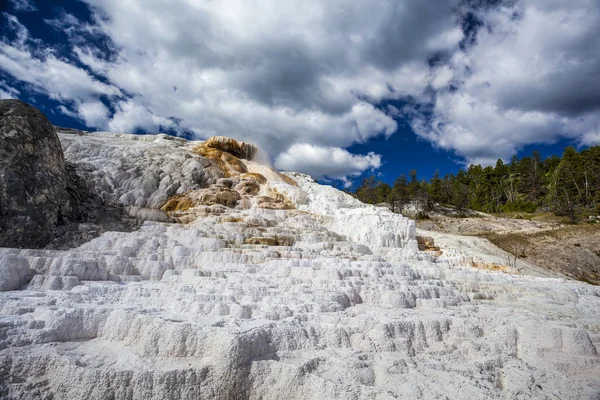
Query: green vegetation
x,y
568,186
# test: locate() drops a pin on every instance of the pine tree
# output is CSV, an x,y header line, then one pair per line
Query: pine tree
x,y
382,192
565,185
399,196
436,189
413,185
460,196
566,190
366,191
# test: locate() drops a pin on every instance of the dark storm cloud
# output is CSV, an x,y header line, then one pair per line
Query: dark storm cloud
x,y
410,30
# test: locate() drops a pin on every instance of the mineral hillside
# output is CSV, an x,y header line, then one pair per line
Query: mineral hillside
x,y
236,281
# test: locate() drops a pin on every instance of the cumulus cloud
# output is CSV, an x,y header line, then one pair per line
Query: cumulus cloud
x,y
55,77
532,75
81,93
42,71
276,73
130,116
481,78
330,162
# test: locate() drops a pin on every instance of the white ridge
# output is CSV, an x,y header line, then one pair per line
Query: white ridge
x,y
342,306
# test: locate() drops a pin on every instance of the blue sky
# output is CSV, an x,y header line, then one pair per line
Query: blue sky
x,y
335,89
405,151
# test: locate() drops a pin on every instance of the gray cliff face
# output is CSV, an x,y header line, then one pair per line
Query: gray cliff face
x,y
33,179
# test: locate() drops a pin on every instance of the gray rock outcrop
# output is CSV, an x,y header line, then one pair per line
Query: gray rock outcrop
x,y
14,272
33,179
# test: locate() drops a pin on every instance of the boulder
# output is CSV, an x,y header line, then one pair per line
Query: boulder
x,y
14,272
33,178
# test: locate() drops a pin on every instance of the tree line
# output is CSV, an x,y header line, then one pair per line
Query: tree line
x,y
566,185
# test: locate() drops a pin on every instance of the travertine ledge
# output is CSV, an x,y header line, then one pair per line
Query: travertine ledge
x,y
245,283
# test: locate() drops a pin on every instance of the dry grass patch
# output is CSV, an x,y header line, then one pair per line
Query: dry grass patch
x,y
572,250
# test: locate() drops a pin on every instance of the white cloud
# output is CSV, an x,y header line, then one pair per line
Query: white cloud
x,y
442,77
44,72
93,113
286,74
130,115
533,76
482,132
23,5
276,73
52,76
331,162
8,92
6,95
64,110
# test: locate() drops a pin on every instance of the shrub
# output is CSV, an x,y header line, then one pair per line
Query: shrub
x,y
421,215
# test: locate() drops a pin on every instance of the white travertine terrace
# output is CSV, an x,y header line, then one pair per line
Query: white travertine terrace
x,y
330,299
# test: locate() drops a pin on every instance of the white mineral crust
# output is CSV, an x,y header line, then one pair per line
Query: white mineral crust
x,y
346,308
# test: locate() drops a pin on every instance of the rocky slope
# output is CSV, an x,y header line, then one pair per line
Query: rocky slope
x,y
246,283
573,251
548,247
